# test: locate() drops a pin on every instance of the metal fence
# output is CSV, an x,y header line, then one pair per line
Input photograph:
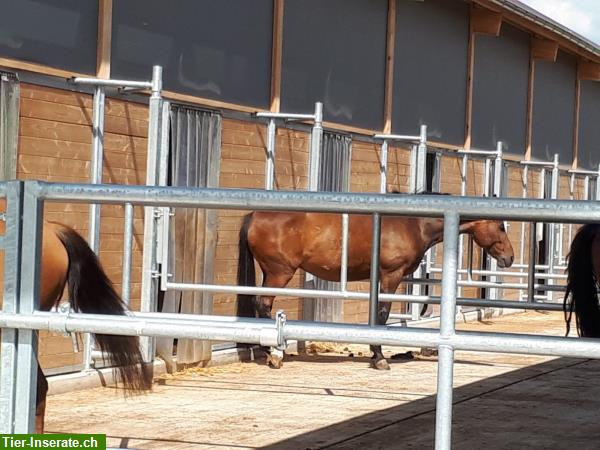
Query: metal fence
x,y
20,317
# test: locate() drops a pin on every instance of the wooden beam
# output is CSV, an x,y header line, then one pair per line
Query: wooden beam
x,y
529,127
8,63
209,103
389,67
576,125
588,71
538,30
104,38
544,49
470,71
278,6
486,21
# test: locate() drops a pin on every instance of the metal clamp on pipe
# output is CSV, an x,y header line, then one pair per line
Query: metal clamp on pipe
x,y
280,320
269,337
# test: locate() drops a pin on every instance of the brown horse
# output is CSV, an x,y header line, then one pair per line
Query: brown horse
x,y
283,242
583,273
68,260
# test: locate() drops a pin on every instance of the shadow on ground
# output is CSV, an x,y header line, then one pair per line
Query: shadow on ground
x,y
552,405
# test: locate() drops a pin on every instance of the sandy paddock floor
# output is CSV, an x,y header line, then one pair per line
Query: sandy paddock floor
x,y
332,399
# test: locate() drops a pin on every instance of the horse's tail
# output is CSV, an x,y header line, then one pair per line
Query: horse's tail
x,y
581,295
90,291
245,274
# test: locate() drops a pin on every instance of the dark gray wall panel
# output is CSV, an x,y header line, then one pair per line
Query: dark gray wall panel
x,y
334,52
500,86
430,68
589,125
210,48
554,108
56,33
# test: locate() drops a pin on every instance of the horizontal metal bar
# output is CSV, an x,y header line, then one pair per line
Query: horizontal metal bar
x,y
341,295
272,115
397,137
583,172
501,273
351,295
537,163
400,316
474,151
313,331
569,211
112,83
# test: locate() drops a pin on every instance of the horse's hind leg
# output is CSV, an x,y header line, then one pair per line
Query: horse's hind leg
x,y
264,306
40,410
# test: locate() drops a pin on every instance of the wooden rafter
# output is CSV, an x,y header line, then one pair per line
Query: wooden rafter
x,y
104,38
389,67
278,6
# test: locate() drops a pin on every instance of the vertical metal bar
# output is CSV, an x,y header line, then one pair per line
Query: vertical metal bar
x,y
374,286
572,184
422,160
127,251
163,223
486,177
95,178
552,232
315,147
420,173
524,182
461,243
344,262
270,163
495,293
149,265
443,417
470,250
383,167
598,185
96,163
532,261
27,344
8,337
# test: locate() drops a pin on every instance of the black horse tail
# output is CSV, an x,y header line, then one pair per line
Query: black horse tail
x,y
90,291
245,274
581,295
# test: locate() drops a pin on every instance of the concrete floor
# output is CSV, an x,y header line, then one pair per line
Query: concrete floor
x,y
334,400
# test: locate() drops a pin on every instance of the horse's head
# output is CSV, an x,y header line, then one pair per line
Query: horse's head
x,y
491,236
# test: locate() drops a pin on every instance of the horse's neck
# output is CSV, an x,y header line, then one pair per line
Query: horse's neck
x,y
433,230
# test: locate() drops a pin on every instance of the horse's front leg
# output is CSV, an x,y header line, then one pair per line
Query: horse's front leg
x,y
40,409
389,284
377,360
264,308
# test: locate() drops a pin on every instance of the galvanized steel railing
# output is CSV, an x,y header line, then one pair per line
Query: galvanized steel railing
x,y
19,317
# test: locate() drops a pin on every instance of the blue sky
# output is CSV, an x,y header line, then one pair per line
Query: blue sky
x,y
581,16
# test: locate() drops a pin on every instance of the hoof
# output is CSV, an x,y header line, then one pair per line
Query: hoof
x,y
275,359
380,364
428,351
274,362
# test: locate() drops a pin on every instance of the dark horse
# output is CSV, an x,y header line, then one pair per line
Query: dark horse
x,y
583,273
282,242
68,260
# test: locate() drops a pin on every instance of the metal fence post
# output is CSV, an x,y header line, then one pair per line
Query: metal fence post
x,y
150,272
27,345
443,418
270,164
374,286
12,268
